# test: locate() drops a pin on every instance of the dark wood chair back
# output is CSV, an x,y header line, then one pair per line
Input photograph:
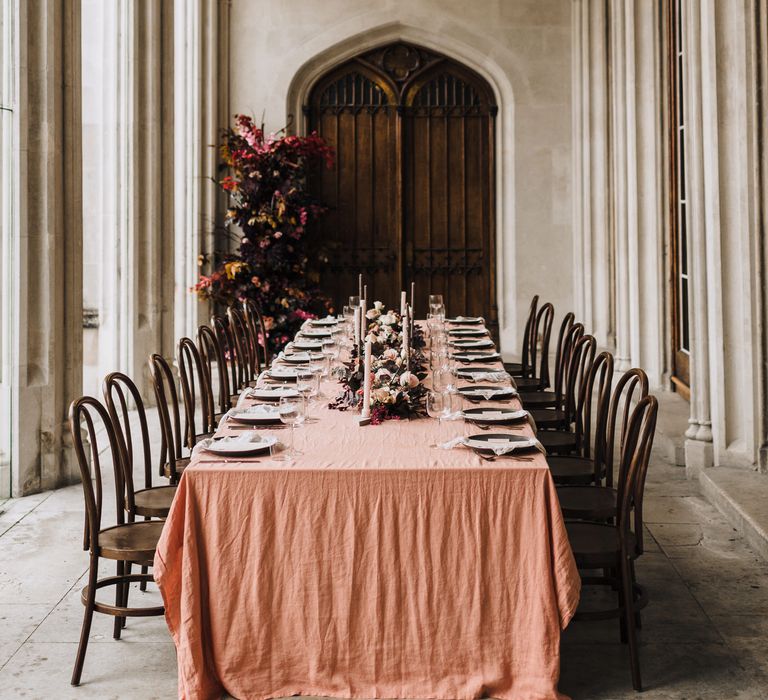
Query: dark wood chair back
x,y
82,412
631,387
120,392
258,330
541,328
211,352
633,469
193,379
226,341
244,350
580,359
529,368
168,410
574,332
565,327
595,393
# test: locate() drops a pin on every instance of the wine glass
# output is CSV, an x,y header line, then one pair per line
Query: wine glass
x,y
330,350
291,410
444,379
438,405
354,301
439,358
308,386
435,300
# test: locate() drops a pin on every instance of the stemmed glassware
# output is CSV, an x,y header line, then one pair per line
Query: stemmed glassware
x,y
292,412
330,350
308,387
354,301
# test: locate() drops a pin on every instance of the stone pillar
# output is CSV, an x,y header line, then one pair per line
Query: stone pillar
x,y
152,206
49,317
201,104
698,72
761,43
593,245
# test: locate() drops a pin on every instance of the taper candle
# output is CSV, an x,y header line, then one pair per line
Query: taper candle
x,y
357,329
413,295
367,381
360,285
363,321
406,335
403,303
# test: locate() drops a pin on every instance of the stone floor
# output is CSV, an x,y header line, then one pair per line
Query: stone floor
x,y
705,632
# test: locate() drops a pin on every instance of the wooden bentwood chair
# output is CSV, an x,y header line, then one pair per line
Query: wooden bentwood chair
x,y
552,397
211,352
614,546
125,543
538,378
523,368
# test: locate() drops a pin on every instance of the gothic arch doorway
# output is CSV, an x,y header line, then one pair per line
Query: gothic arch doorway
x,y
411,196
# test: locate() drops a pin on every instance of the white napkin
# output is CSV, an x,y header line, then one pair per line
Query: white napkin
x,y
498,449
488,394
485,376
259,410
475,356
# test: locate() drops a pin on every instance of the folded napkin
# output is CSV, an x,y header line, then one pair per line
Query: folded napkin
x,y
475,356
259,410
486,376
246,437
488,394
497,449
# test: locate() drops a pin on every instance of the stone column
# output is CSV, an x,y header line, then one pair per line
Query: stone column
x,y
201,104
152,292
593,247
761,43
49,317
699,77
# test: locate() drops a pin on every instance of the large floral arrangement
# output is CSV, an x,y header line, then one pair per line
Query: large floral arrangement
x,y
397,381
270,204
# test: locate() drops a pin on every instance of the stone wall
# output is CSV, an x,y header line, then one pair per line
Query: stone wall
x,y
523,48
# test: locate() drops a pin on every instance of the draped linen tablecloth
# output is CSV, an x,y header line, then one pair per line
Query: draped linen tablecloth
x,y
373,566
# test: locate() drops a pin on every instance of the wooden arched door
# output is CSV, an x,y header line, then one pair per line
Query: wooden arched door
x,y
411,196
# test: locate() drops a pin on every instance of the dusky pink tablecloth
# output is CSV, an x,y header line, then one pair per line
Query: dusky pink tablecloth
x,y
374,566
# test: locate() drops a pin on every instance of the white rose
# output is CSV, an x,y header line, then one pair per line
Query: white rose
x,y
409,379
380,395
390,354
387,319
378,305
372,313
383,374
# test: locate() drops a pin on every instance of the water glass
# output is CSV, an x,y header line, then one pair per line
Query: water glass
x,y
354,301
291,410
438,405
435,300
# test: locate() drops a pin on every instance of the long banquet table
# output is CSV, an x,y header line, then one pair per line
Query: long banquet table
x,y
372,566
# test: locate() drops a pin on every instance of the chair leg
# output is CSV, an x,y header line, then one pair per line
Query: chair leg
x,y
143,584
85,631
128,566
638,616
119,597
629,621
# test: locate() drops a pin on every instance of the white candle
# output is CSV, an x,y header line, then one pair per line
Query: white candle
x,y
367,381
406,334
357,327
363,322
365,291
403,303
413,295
360,285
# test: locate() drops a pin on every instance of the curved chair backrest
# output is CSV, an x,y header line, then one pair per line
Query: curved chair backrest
x,y
258,330
83,411
211,351
168,410
631,388
529,369
565,327
571,337
580,359
194,382
633,469
223,333
542,327
595,390
118,390
245,352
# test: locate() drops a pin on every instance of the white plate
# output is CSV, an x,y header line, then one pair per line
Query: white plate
x,y
316,333
306,345
283,372
488,442
273,394
241,445
260,413
320,322
476,356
